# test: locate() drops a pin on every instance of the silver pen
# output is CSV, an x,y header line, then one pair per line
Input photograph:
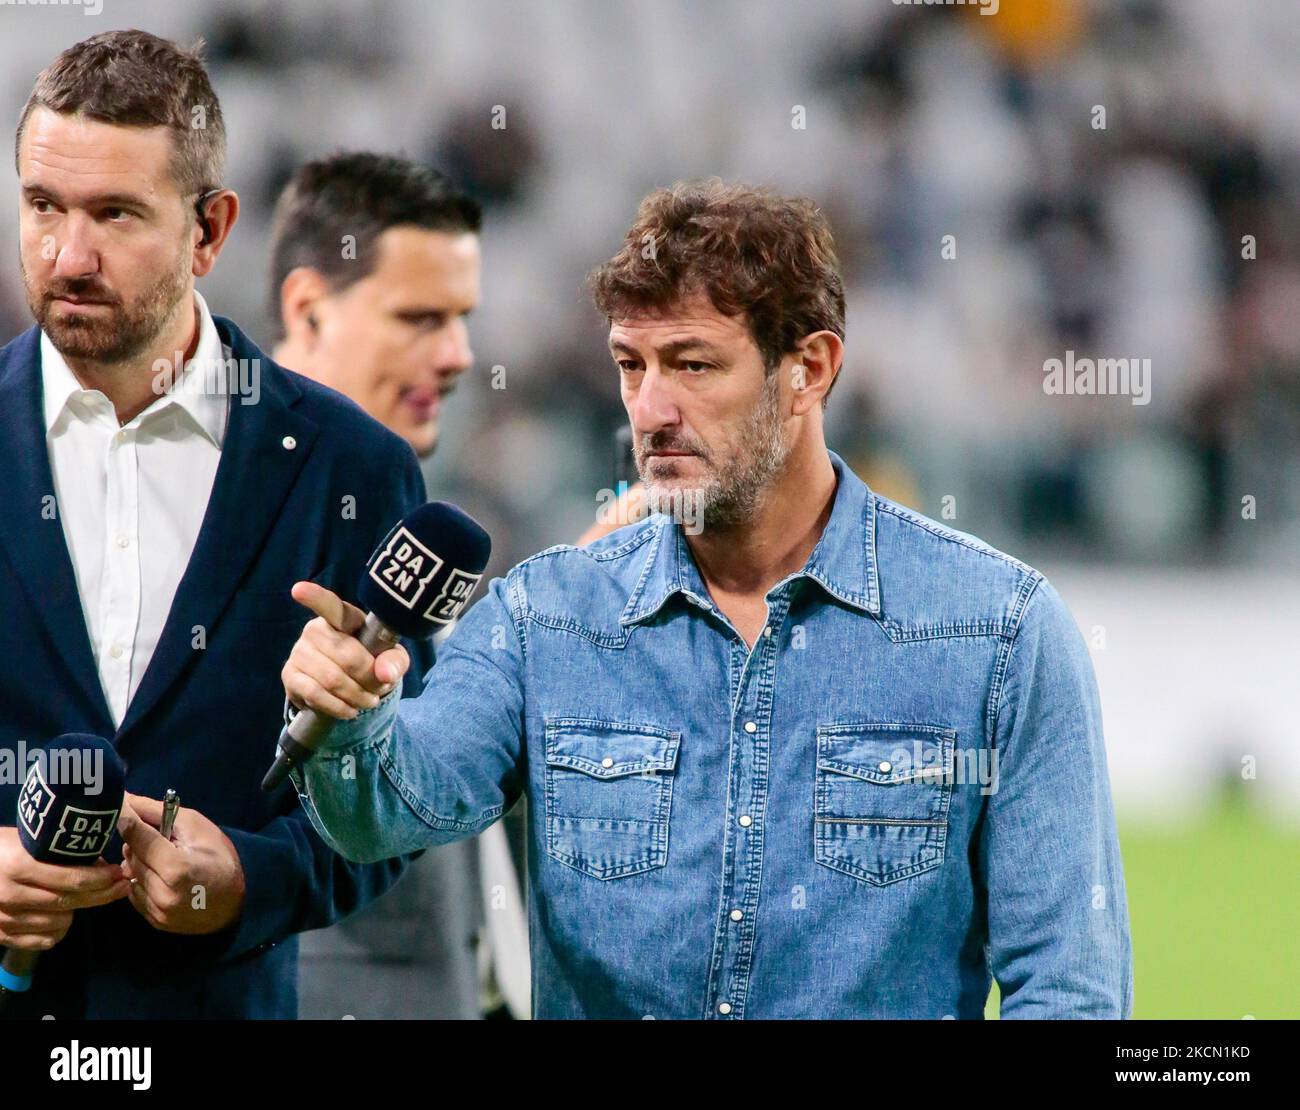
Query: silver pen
x,y
171,803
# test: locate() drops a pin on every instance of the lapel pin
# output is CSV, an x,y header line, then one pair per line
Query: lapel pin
x,y
289,443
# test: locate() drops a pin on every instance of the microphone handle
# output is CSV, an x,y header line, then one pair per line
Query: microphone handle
x,y
16,969
300,739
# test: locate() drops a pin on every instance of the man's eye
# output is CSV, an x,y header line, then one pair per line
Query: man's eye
x,y
696,367
628,365
42,207
116,215
427,321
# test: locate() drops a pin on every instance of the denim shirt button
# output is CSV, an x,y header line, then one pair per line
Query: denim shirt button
x,y
886,766
724,1007
607,762
750,726
746,821
768,631
736,915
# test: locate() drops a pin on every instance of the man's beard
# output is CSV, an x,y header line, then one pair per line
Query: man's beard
x,y
115,336
732,493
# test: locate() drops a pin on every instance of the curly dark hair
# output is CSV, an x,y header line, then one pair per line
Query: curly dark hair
x,y
753,252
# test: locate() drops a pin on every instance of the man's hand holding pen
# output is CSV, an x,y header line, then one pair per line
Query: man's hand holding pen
x,y
189,882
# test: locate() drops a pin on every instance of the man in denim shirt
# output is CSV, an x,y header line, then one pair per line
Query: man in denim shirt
x,y
791,749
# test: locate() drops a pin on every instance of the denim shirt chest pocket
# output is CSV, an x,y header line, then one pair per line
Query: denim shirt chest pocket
x,y
882,798
609,791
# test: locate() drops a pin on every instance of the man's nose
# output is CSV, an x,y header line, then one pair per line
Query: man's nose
x,y
76,254
655,407
454,355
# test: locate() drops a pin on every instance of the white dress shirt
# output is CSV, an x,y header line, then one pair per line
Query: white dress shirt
x,y
132,498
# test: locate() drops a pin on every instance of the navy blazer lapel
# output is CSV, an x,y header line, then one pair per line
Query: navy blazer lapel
x,y
31,526
255,474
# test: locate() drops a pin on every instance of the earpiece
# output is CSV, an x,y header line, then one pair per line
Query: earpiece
x,y
204,222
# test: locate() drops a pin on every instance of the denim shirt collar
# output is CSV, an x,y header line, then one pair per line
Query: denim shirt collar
x,y
843,563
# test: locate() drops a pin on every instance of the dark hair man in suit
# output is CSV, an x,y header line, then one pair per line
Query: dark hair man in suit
x,y
375,269
163,484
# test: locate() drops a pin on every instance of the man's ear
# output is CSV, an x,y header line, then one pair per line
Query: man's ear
x,y
212,228
301,294
817,360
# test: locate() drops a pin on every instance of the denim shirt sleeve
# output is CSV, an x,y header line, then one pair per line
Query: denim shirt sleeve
x,y
1057,912
439,767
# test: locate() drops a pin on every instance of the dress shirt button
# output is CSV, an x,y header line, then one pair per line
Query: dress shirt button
x,y
885,765
607,762
724,1007
736,915
288,443
115,651
746,821
122,541
750,726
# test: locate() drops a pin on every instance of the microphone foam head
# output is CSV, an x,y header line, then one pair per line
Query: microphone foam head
x,y
70,800
424,572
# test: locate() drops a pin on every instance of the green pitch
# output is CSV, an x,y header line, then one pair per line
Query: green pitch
x,y
1214,908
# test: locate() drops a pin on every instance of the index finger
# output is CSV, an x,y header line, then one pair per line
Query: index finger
x,y
149,810
336,612
147,844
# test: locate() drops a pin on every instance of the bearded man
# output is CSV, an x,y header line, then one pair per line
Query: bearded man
x,y
162,486
790,748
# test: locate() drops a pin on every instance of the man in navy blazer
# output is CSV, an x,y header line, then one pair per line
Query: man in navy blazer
x,y
259,478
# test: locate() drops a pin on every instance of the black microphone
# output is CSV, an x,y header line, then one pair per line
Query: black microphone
x,y
418,580
67,813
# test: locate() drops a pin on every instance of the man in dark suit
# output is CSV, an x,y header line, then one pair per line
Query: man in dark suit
x,y
385,324
162,484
